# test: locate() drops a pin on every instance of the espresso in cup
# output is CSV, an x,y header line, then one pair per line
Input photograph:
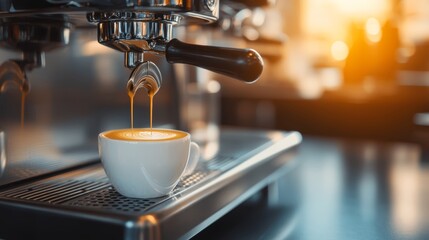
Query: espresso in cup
x,y
147,162
136,134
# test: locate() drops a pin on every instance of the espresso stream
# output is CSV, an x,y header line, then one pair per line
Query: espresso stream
x,y
151,87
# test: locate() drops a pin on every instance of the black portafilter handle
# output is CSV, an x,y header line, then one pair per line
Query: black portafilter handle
x,y
243,64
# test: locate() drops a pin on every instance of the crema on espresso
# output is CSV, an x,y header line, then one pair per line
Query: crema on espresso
x,y
144,134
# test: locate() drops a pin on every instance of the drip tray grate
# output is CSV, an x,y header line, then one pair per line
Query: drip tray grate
x,y
54,193
59,190
91,190
110,199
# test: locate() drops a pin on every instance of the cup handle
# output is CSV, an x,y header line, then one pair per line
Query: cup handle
x,y
194,156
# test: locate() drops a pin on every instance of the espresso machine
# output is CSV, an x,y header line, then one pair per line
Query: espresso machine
x,y
64,71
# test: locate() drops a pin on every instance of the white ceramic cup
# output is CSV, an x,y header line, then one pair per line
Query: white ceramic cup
x,y
148,168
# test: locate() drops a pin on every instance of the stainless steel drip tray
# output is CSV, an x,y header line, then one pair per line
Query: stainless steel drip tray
x,y
81,204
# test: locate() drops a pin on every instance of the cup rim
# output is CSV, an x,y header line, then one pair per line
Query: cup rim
x,y
102,135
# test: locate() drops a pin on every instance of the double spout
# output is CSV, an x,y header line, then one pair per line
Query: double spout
x,y
146,75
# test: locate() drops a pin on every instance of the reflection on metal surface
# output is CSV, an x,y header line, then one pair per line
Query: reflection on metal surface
x,y
274,136
11,72
2,153
92,48
33,143
31,36
36,150
150,225
202,115
200,11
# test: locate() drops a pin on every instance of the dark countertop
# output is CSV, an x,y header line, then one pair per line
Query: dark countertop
x,y
340,189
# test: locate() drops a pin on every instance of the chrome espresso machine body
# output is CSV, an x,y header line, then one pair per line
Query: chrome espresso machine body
x,y
60,87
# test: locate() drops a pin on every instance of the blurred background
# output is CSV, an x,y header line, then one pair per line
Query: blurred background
x,y
337,68
353,77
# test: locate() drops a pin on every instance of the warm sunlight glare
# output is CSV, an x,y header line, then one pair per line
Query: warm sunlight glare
x,y
373,30
362,9
332,19
339,50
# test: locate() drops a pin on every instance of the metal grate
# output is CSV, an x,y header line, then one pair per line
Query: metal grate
x,y
54,192
110,199
59,190
91,190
